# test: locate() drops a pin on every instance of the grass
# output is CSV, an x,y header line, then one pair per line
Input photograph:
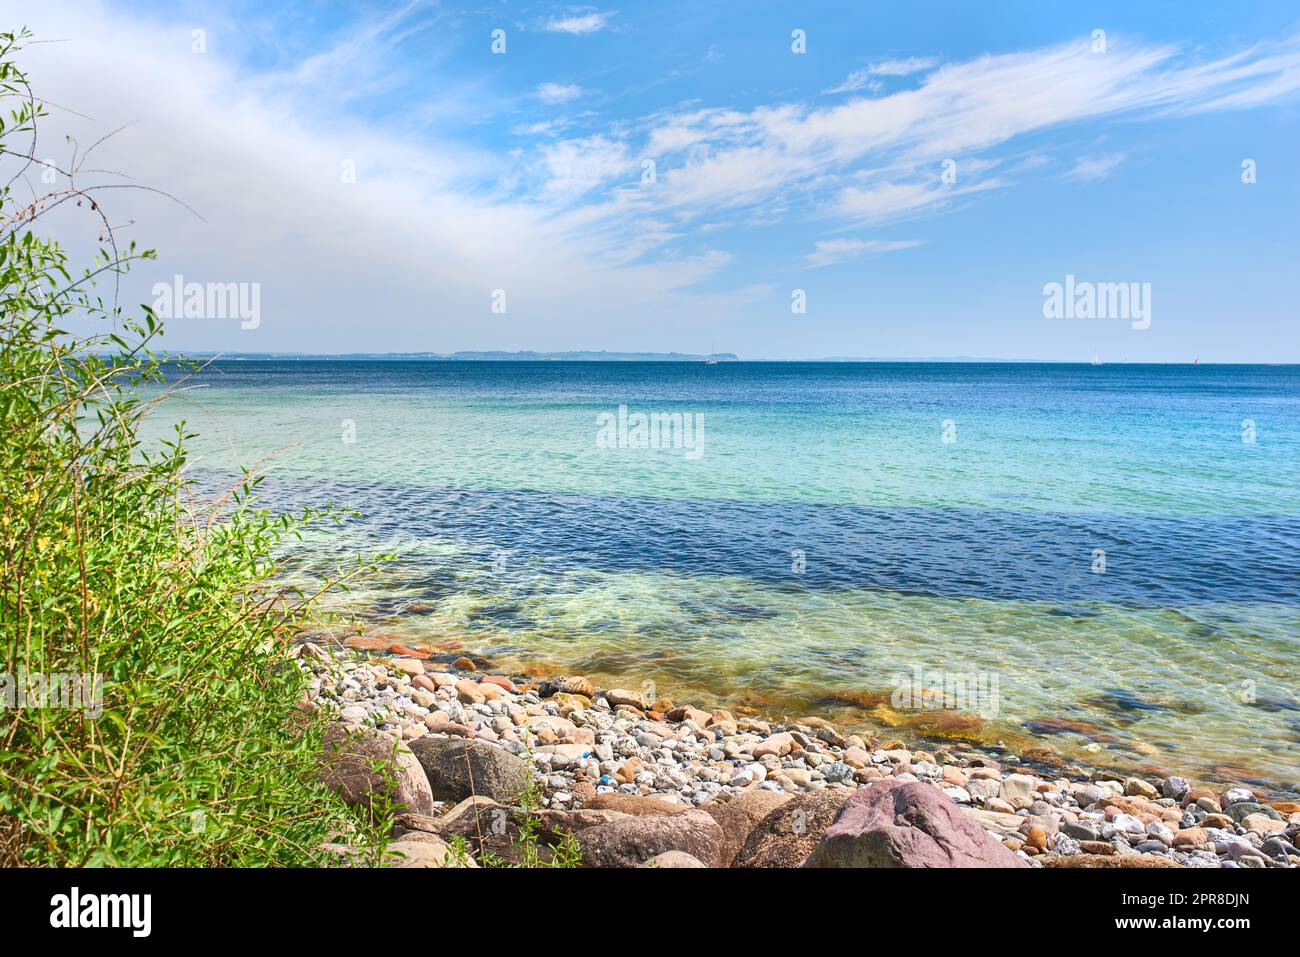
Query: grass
x,y
176,737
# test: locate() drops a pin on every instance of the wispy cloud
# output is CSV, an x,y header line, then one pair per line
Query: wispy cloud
x,y
857,80
558,92
1091,169
580,23
865,79
830,251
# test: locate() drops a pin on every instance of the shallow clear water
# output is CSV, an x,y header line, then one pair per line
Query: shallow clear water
x,y
825,538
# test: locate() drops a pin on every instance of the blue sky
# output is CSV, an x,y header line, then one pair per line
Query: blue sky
x,y
775,171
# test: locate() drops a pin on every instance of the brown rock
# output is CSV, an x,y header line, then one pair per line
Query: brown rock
x,y
348,761
787,835
363,643
618,696
408,652
634,804
634,840
672,859
739,816
464,664
1191,837
443,726
1036,837
1097,847
468,692
578,686
505,684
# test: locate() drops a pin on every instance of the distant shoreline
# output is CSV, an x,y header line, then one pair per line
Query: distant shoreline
x,y
665,357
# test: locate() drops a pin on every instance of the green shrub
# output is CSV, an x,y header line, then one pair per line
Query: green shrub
x,y
113,564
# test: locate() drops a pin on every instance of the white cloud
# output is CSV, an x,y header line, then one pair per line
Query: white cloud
x,y
579,23
1091,169
558,92
904,67
864,79
407,256
857,80
827,252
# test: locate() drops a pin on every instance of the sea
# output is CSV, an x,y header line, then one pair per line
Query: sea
x,y
1085,564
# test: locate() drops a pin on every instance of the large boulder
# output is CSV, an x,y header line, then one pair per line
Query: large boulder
x,y
361,763
458,768
895,823
632,841
739,816
787,835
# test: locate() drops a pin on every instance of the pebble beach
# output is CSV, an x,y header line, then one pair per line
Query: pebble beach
x,y
586,747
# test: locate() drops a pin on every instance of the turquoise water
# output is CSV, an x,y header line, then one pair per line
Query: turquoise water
x,y
823,537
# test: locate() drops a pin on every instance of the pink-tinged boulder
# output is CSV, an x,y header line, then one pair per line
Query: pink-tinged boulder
x,y
907,824
350,757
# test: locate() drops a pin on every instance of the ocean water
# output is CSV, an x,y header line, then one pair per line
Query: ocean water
x,y
1110,554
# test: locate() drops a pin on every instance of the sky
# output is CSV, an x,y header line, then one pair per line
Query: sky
x,y
771,180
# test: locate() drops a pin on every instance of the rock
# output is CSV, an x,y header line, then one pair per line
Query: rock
x,y
634,804
1191,837
1236,796
788,834
893,824
570,703
739,816
1262,824
1018,790
407,666
464,664
505,684
1136,787
439,726
687,713
459,768
1098,847
578,686
468,692
777,745
1175,787
429,852
1240,810
1112,860
1004,824
363,643
1036,837
1080,831
620,696
672,859
633,840
349,755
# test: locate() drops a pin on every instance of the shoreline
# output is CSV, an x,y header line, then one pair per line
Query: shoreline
x,y
590,750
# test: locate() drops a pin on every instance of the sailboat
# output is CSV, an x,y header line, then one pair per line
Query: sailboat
x,y
710,361
1096,359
